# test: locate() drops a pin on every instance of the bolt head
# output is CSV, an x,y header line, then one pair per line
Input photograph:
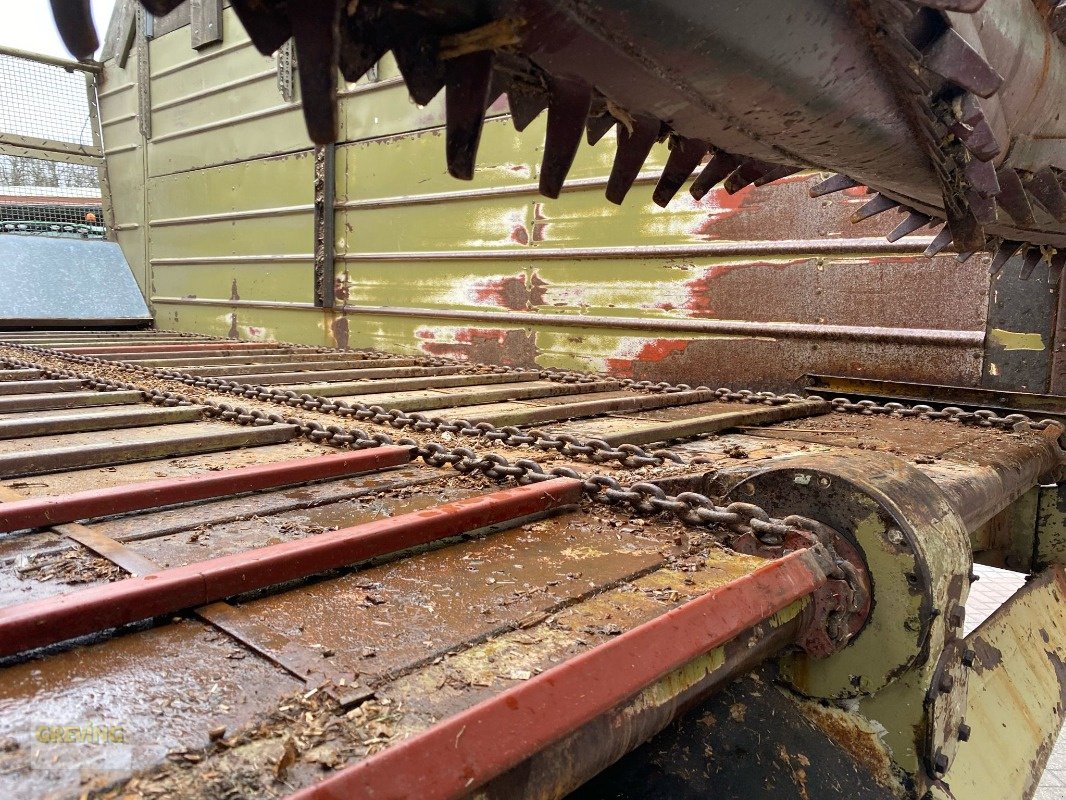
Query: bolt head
x,y
940,764
964,732
947,683
968,658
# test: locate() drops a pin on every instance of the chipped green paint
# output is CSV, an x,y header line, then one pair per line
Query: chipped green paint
x,y
1011,340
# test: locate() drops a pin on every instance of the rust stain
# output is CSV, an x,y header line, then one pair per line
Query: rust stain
x,y
340,330
988,656
650,352
855,735
519,292
700,292
234,295
342,287
514,348
540,223
719,206
233,333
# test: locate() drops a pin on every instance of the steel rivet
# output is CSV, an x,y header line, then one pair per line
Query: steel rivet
x,y
964,732
947,683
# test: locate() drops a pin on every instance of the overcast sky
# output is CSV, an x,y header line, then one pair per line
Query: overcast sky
x,y
28,25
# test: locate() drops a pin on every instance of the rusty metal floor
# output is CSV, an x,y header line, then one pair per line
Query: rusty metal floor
x,y
221,557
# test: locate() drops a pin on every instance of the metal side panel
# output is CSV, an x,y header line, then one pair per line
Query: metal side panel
x,y
1016,695
62,280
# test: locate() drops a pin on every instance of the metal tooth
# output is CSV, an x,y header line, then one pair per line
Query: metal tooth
x,y
268,30
363,44
879,205
837,183
981,176
74,20
1032,257
568,109
597,125
748,172
962,258
633,149
1004,253
525,105
716,170
913,222
1012,197
973,130
685,156
962,6
940,242
497,87
467,87
161,7
982,208
1058,261
775,174
1043,186
419,64
951,57
316,33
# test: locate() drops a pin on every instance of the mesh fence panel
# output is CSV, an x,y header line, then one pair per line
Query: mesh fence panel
x,y
45,104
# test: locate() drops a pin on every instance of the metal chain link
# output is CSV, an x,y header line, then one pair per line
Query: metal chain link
x,y
744,527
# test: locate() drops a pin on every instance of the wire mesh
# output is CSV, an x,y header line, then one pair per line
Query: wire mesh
x,y
45,103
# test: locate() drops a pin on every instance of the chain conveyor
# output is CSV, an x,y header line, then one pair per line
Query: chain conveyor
x,y
278,569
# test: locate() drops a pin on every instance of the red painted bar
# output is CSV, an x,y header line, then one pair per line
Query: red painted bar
x,y
463,752
168,348
37,512
56,619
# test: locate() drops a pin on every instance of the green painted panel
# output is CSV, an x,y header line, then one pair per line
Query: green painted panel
x,y
229,143
261,183
261,93
279,235
293,281
187,70
408,165
302,326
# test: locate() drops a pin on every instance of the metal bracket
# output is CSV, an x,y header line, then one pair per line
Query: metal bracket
x,y
325,190
144,76
286,57
206,22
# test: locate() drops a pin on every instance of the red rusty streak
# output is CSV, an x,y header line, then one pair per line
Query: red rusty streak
x,y
56,619
36,512
721,205
699,289
166,348
655,350
463,752
461,338
512,291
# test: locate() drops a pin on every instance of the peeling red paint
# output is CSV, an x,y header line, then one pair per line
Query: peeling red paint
x,y
517,292
484,345
651,351
540,223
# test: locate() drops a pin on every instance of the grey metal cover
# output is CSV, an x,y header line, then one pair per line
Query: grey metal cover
x,y
46,279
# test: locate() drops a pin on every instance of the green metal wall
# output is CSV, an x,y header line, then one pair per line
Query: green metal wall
x,y
215,212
